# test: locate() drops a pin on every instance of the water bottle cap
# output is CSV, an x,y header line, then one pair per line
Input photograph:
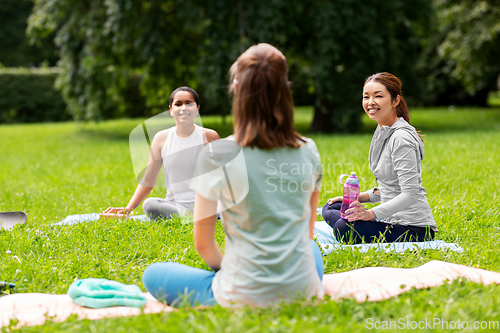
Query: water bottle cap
x,y
352,180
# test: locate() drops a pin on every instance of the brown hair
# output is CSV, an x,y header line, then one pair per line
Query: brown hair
x,y
393,86
263,102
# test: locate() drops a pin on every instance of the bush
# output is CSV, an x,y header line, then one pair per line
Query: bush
x,y
28,95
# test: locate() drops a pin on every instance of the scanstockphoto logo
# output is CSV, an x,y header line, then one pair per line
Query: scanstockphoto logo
x,y
431,324
222,159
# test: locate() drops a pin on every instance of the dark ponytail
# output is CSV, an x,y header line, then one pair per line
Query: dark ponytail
x,y
402,110
393,86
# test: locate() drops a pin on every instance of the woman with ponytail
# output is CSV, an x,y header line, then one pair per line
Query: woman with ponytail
x,y
395,155
269,206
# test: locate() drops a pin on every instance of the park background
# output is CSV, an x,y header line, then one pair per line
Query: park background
x,y
77,76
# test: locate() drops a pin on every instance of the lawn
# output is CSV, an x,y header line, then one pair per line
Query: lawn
x,y
54,170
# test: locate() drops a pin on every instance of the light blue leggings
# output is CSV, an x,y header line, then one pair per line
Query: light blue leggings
x,y
181,285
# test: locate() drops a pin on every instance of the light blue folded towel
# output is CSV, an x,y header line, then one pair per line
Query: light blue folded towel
x,y
324,235
102,293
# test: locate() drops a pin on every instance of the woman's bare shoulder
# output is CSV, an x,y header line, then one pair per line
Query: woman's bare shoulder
x,y
211,134
161,137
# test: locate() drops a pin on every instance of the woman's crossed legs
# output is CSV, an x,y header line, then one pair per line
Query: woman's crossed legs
x,y
179,285
357,232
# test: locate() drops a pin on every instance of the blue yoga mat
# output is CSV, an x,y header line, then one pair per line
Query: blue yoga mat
x,y
324,235
92,217
81,218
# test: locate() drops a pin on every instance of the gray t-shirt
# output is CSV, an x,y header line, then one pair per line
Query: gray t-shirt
x,y
265,196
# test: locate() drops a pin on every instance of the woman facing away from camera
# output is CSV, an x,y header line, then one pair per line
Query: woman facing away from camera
x,y
269,253
396,152
177,149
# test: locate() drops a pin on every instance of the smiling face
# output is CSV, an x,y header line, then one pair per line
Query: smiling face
x,y
378,104
184,108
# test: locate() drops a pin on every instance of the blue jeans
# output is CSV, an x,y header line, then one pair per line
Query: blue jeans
x,y
180,285
357,232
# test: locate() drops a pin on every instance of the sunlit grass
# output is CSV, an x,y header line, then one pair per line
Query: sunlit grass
x,y
54,170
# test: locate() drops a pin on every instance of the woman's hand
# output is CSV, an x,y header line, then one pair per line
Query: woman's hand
x,y
127,210
119,210
114,212
336,199
359,212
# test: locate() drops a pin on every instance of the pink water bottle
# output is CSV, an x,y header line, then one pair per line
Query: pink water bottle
x,y
351,193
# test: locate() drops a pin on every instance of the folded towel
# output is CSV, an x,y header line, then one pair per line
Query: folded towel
x,y
102,293
324,235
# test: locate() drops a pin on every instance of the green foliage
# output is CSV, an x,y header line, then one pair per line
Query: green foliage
x,y
73,168
28,95
347,42
15,48
123,58
169,43
103,43
459,59
471,42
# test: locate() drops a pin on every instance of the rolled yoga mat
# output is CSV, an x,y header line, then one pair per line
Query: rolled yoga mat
x,y
9,219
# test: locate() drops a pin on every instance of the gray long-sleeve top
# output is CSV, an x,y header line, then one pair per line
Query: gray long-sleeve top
x,y
395,156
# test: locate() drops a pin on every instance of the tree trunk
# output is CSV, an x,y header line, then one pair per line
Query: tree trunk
x,y
322,122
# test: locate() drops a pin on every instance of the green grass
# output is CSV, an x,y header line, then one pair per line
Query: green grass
x,y
54,170
494,98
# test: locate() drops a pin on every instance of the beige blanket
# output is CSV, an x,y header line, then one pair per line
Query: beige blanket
x,y
364,284
379,283
33,309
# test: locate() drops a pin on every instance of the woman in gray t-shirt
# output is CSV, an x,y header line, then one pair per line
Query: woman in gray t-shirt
x,y
267,178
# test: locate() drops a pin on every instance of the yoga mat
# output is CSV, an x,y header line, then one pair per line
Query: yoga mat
x,y
374,284
9,219
32,309
324,235
368,284
91,217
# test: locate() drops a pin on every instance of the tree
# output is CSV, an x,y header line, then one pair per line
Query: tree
x,y
15,48
349,41
471,30
106,45
231,27
332,45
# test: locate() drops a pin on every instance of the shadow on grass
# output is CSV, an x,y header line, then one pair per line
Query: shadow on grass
x,y
447,120
119,130
463,119
426,120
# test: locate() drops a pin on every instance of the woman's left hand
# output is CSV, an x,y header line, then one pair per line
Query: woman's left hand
x,y
359,212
